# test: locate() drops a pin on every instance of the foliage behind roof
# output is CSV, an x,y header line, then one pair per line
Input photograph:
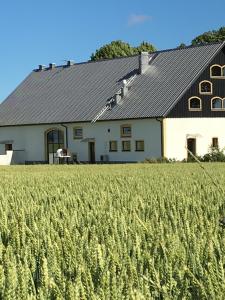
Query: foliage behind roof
x,y
77,93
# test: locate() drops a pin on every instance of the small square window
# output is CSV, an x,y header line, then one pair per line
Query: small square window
x,y
140,146
78,133
126,146
113,146
125,131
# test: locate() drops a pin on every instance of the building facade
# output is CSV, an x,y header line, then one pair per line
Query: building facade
x,y
121,110
116,141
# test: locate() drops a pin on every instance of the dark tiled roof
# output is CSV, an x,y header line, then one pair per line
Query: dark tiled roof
x,y
169,75
79,92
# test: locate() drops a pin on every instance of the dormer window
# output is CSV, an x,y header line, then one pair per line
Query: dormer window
x,y
217,71
194,104
205,87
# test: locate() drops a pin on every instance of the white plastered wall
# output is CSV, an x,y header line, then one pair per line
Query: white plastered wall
x,y
6,158
30,140
176,132
148,130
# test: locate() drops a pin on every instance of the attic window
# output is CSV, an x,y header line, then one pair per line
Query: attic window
x,y
223,71
205,87
217,71
217,103
194,104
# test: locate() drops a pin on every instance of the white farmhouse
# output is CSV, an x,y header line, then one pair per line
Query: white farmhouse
x,y
118,110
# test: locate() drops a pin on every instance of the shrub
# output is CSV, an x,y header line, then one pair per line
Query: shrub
x,y
214,154
157,160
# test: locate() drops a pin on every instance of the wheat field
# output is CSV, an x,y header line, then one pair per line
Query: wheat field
x,y
136,231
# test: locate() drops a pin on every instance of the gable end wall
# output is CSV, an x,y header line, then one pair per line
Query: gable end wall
x,y
181,110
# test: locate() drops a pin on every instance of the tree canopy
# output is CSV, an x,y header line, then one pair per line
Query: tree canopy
x,y
182,46
120,49
210,37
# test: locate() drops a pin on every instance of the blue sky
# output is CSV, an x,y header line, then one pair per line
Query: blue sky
x,y
43,31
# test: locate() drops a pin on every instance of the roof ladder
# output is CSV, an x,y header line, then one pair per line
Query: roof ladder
x,y
105,108
108,104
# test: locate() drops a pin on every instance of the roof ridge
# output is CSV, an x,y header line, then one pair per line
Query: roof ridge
x,y
89,62
134,55
189,47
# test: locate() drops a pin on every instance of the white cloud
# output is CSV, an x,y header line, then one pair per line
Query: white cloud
x,y
135,19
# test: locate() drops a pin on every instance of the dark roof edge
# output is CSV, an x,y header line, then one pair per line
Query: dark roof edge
x,y
195,78
129,56
75,122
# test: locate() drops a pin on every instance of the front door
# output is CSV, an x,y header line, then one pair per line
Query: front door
x,y
92,152
54,141
191,145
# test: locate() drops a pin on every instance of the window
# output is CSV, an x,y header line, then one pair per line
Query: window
x,y
125,130
215,142
8,147
195,104
215,71
223,71
139,146
54,141
113,146
205,87
126,146
217,103
77,133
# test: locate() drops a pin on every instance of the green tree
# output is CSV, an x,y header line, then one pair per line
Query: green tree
x,y
210,37
120,49
145,47
182,46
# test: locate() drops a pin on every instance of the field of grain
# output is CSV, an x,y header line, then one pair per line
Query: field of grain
x,y
112,232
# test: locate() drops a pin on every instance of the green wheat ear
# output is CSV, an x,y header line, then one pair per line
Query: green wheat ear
x,y
111,232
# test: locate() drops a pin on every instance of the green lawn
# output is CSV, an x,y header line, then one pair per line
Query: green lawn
x,y
140,231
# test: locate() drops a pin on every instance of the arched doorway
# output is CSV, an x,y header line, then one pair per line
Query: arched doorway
x,y
54,141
